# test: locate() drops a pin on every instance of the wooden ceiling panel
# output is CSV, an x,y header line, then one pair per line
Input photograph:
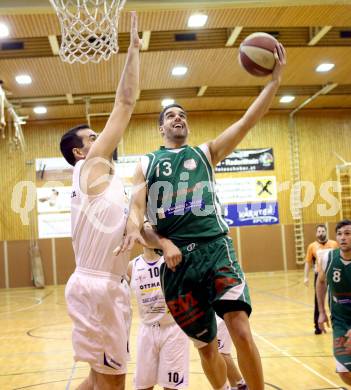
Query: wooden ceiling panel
x,y
32,25
303,61
209,62
331,101
231,16
55,112
51,76
43,24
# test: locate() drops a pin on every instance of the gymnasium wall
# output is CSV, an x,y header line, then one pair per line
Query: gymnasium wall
x,y
264,248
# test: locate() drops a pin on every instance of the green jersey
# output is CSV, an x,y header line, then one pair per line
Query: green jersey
x,y
338,274
182,201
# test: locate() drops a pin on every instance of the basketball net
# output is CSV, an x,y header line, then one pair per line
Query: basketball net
x,y
89,29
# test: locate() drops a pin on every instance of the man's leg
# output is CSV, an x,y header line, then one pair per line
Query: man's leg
x,y
316,311
88,383
248,356
233,373
213,365
346,377
108,382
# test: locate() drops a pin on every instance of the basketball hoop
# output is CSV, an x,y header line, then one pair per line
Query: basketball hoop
x,y
89,29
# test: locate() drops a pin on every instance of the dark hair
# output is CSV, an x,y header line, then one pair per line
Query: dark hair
x,y
321,225
71,140
162,113
344,222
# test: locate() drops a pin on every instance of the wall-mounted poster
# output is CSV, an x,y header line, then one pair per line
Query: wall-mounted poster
x,y
247,189
242,160
54,211
54,202
251,214
54,225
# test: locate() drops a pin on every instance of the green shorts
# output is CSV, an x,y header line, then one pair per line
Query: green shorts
x,y
341,345
209,280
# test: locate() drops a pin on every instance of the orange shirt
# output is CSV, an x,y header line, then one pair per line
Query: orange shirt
x,y
312,249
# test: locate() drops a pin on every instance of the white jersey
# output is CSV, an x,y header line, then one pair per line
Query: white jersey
x,y
145,282
98,224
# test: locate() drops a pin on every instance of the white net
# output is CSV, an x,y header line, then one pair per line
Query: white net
x,y
89,29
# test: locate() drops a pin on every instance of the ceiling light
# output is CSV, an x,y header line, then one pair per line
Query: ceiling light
x,y
4,30
287,99
23,79
324,67
179,70
197,20
167,102
40,110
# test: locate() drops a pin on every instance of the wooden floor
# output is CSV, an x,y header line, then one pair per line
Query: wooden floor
x,y
36,350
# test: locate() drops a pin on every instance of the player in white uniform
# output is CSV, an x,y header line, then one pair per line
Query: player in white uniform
x,y
162,347
96,297
225,349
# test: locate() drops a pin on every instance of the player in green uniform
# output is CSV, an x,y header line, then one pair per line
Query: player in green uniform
x,y
176,185
334,273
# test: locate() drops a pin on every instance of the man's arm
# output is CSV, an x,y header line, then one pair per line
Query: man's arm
x,y
321,291
225,143
129,271
134,229
101,151
308,262
136,214
171,253
126,95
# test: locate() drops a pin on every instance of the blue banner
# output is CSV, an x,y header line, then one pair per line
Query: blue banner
x,y
251,214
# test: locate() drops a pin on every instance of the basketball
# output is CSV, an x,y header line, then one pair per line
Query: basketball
x,y
256,54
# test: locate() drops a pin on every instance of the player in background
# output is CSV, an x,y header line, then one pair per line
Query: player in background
x,y
334,274
322,243
162,347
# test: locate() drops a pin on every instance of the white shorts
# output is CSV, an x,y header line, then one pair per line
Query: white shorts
x,y
162,357
223,337
99,306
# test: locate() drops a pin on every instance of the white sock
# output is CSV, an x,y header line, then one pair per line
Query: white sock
x,y
241,382
226,386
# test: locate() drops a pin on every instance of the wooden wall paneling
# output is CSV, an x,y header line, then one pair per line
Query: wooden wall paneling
x,y
65,261
19,264
290,247
330,132
309,233
2,266
46,258
331,230
261,248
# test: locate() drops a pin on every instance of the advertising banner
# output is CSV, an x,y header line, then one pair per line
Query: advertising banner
x,y
242,160
252,214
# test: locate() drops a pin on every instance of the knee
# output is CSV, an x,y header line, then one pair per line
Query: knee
x,y
243,336
345,377
239,329
209,353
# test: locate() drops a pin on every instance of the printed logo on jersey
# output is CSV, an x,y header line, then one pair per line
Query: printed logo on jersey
x,y
191,247
183,208
190,164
